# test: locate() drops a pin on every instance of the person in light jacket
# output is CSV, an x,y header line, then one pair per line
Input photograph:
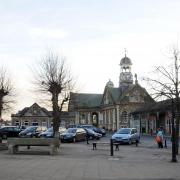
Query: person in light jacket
x,y
159,138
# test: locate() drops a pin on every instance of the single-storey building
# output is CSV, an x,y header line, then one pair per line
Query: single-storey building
x,y
36,115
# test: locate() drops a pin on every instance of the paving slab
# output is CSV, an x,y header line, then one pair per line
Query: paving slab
x,y
77,161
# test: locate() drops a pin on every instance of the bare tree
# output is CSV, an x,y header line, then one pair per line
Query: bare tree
x,y
6,91
166,85
54,78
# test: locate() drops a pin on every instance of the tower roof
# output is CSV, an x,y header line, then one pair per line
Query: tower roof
x,y
125,61
110,83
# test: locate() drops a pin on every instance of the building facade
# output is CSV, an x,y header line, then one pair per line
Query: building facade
x,y
112,109
153,116
36,115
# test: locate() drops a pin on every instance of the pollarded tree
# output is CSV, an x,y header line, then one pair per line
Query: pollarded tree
x,y
54,78
6,91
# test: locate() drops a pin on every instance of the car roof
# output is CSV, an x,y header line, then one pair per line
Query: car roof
x,y
8,126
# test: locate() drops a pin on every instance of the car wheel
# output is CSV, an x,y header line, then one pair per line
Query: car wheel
x,y
4,136
74,139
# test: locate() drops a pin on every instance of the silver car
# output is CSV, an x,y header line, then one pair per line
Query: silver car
x,y
126,135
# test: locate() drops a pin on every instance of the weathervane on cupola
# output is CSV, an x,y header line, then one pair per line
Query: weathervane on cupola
x,y
125,50
126,77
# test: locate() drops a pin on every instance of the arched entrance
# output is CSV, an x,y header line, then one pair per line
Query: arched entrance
x,y
95,119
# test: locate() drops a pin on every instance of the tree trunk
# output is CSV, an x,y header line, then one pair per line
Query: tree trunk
x,y
1,107
177,136
56,115
177,124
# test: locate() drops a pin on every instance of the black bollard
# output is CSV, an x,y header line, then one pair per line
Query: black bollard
x,y
165,143
87,139
136,143
111,147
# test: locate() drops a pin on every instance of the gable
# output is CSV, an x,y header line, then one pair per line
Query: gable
x,y
136,94
35,110
110,96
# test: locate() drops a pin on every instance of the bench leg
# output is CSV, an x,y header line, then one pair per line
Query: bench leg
x,y
12,149
53,149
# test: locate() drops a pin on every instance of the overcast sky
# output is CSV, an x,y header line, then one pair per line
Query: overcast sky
x,y
91,34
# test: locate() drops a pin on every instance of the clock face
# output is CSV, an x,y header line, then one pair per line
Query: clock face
x,y
128,77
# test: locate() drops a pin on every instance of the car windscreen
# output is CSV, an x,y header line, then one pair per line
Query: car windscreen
x,y
30,129
50,130
87,126
124,131
71,130
89,130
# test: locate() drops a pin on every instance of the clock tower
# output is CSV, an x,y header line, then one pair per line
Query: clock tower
x,y
126,77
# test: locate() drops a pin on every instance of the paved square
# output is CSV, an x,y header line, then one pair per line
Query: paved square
x,y
77,161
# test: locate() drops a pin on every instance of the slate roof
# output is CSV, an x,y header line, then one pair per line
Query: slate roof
x,y
115,93
154,107
86,100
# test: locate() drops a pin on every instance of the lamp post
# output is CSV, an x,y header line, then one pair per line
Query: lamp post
x,y
173,135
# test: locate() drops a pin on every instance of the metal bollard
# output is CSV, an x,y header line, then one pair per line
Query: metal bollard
x,y
111,147
87,139
136,143
165,143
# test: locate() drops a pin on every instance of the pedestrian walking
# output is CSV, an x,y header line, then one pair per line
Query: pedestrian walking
x,y
159,138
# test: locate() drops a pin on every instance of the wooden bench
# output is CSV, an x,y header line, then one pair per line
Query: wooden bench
x,y
105,143
14,143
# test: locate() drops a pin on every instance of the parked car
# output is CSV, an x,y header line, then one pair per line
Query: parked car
x,y
49,132
126,135
95,129
32,131
9,131
74,126
90,134
62,130
22,127
73,135
99,130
